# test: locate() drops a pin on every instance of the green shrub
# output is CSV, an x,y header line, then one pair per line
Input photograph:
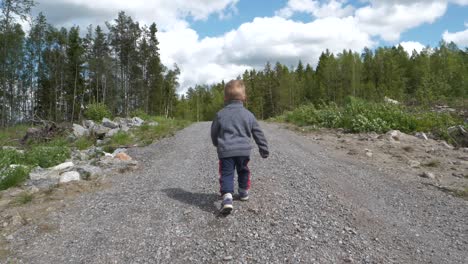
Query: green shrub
x,y
141,114
121,138
97,112
84,143
358,115
11,177
47,156
10,156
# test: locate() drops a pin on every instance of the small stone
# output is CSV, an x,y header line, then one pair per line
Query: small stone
x,y
394,135
69,176
9,237
228,258
446,145
123,156
428,175
414,164
369,153
421,135
112,132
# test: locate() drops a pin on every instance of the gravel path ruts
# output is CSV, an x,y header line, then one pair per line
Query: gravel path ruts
x,y
307,205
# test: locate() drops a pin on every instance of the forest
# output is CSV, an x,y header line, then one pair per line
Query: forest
x,y
57,73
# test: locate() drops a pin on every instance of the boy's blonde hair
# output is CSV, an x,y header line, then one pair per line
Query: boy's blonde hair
x,y
234,90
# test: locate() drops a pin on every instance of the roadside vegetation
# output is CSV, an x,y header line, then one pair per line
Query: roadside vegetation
x,y
17,161
357,116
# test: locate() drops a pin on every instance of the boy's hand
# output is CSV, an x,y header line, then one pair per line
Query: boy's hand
x,y
264,154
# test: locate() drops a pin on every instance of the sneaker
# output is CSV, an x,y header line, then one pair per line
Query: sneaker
x,y
243,195
226,205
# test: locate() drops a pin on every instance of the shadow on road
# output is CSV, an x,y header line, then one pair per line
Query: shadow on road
x,y
204,201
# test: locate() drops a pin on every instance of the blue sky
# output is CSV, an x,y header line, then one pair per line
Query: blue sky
x,y
214,40
427,34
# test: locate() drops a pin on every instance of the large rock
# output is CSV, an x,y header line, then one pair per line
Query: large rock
x,y
459,134
136,121
89,124
69,176
80,131
112,132
100,131
109,124
89,171
44,174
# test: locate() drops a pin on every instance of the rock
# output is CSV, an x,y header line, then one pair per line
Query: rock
x,y
71,138
459,134
109,124
112,132
39,173
465,150
228,258
391,101
63,166
153,124
414,164
100,131
43,183
89,124
119,150
458,175
428,175
421,135
17,220
446,145
394,135
136,121
88,171
79,131
69,176
124,128
369,153
123,156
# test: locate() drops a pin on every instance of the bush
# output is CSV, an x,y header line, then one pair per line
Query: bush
x,y
97,112
360,116
11,177
10,156
84,143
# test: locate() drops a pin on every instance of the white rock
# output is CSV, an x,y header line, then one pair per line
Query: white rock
x,y
69,176
422,135
428,175
124,127
446,145
89,124
391,101
63,166
465,150
394,135
108,123
112,132
80,131
39,174
137,121
414,164
119,150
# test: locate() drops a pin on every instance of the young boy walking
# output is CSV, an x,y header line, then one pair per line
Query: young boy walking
x,y
231,133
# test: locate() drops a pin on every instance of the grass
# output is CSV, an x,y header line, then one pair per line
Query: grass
x,y
58,150
24,198
361,116
432,163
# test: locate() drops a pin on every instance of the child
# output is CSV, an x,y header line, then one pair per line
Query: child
x,y
231,133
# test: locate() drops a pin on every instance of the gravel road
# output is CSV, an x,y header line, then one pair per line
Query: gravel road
x,y
308,205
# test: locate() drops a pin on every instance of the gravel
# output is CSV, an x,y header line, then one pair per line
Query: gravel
x,y
307,205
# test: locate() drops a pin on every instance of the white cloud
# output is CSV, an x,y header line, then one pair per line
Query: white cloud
x,y
165,13
411,46
460,38
332,8
211,60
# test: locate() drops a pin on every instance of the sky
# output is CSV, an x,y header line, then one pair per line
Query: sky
x,y
215,40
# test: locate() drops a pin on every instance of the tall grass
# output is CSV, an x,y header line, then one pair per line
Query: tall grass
x,y
360,116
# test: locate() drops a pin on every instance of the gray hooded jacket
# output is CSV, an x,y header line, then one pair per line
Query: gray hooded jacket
x,y
232,130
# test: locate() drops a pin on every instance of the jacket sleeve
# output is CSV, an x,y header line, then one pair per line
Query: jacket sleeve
x,y
214,131
260,139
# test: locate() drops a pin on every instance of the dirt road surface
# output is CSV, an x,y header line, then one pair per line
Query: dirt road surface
x,y
308,205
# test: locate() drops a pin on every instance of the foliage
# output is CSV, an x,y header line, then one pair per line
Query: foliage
x,y
11,177
10,136
84,142
97,112
47,156
358,115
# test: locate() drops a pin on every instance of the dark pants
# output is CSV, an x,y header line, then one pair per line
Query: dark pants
x,y
226,173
